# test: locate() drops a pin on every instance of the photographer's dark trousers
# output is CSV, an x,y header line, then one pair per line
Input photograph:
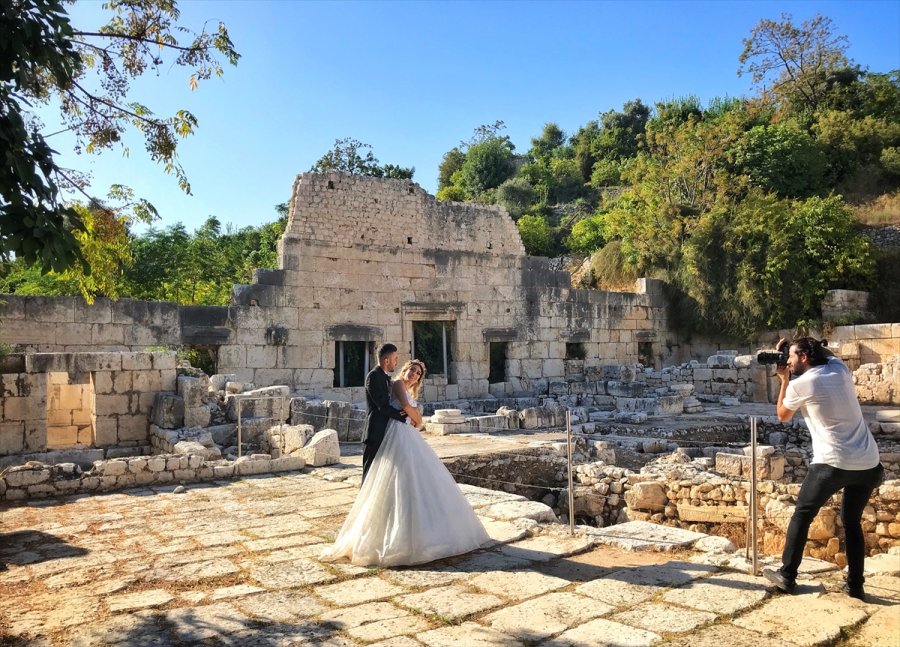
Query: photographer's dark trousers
x,y
821,482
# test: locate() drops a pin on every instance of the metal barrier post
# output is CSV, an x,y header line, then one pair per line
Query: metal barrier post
x,y
754,565
571,490
238,400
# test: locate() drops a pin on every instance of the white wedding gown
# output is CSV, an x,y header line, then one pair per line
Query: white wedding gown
x,y
409,509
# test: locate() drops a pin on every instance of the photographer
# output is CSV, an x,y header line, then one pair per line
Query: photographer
x,y
845,455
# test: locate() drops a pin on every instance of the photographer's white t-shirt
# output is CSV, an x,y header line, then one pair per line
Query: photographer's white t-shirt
x,y
827,399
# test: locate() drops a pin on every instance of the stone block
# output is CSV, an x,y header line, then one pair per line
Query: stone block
x,y
322,449
133,427
288,463
12,438
113,468
19,409
168,411
197,416
156,464
188,447
245,466
730,464
106,431
711,513
624,389
108,405
193,390
669,405
165,360
65,436
296,436
24,476
648,495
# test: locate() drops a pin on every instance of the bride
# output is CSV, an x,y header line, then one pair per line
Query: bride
x,y
409,509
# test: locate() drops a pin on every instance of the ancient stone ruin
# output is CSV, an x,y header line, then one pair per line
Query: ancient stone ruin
x,y
660,423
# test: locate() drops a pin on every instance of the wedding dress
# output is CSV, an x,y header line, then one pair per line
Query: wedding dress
x,y
409,509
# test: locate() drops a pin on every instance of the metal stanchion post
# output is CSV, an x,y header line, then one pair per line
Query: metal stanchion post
x,y
753,511
238,400
571,490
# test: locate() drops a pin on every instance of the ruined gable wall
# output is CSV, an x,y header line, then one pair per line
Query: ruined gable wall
x,y
363,258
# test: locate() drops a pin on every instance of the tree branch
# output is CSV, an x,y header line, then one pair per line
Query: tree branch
x,y
141,39
114,106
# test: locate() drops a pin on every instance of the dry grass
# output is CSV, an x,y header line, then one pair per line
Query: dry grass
x,y
883,210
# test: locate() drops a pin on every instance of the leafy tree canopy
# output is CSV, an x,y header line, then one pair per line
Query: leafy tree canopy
x,y
798,63
352,156
42,56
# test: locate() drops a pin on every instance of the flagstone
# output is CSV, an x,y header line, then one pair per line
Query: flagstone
x,y
722,594
806,620
449,602
357,591
469,634
546,615
516,585
663,617
604,633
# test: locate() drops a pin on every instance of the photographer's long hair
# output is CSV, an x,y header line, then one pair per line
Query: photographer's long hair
x,y
813,349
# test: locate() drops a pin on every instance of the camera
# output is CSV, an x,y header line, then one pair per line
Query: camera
x,y
774,356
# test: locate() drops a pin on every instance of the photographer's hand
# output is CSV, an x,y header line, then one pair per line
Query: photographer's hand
x,y
782,371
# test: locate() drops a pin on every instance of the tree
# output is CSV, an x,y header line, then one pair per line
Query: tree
x,y
536,235
352,156
90,72
783,158
767,263
488,164
586,236
796,61
516,194
450,164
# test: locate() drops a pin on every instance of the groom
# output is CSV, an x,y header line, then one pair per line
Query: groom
x,y
378,408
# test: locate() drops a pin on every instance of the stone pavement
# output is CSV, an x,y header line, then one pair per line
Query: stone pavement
x,y
234,563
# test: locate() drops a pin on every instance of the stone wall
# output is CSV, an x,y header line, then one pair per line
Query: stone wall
x,y
363,260
36,480
81,400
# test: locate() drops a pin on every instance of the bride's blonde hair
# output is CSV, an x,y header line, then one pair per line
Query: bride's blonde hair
x,y
417,385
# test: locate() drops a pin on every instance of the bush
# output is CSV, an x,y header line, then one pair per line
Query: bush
x,y
611,269
536,235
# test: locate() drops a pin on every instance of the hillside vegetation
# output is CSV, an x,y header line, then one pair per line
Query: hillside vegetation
x,y
748,208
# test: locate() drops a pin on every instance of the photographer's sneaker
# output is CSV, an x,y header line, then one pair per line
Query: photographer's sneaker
x,y
855,591
780,580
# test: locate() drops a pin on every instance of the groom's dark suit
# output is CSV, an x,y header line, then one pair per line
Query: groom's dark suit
x,y
378,413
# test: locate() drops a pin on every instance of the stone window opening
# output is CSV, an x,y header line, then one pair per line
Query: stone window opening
x,y
330,184
432,343
71,411
497,353
204,357
645,353
352,362
409,240
575,350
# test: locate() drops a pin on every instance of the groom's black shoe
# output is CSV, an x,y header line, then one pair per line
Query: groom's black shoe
x,y
781,581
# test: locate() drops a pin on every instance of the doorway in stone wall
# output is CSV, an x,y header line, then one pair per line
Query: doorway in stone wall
x,y
70,411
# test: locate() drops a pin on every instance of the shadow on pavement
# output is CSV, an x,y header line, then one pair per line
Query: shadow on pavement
x,y
23,547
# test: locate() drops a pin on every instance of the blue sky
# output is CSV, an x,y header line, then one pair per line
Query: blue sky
x,y
414,78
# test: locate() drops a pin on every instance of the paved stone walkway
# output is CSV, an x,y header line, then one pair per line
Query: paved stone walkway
x,y
234,563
